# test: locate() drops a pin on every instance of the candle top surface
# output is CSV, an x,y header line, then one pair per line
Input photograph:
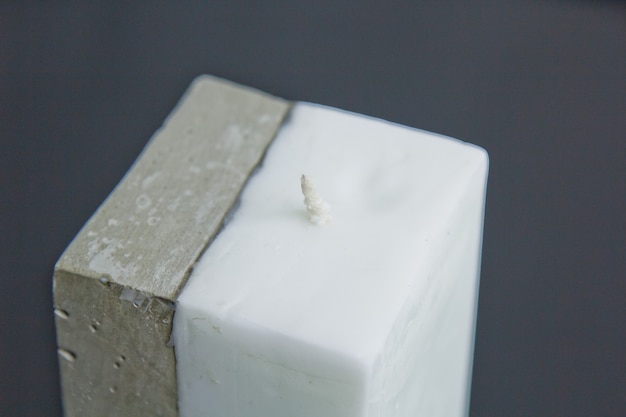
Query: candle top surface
x,y
337,286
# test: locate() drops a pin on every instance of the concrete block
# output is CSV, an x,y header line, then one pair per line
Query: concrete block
x,y
116,284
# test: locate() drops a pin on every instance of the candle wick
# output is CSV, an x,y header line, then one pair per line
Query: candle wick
x,y
317,208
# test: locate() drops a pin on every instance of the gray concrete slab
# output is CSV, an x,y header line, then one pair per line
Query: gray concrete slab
x,y
116,284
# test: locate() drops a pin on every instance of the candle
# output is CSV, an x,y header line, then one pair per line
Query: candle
x,y
266,258
370,313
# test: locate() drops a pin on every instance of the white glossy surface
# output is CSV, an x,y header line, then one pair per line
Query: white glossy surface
x,y
369,315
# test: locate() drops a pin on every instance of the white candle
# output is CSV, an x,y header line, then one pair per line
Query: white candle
x,y
369,314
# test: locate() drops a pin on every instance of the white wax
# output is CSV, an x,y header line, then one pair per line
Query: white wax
x,y
371,314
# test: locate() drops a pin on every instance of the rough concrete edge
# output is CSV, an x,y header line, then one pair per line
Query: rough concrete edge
x,y
128,293
59,265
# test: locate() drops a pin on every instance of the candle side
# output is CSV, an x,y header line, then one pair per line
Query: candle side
x,y
360,317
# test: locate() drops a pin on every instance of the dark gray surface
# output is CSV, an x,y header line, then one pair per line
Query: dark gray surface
x,y
540,84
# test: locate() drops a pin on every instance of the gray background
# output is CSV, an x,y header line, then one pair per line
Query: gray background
x,y
540,84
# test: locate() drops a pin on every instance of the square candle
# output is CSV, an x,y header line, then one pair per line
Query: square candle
x,y
359,301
